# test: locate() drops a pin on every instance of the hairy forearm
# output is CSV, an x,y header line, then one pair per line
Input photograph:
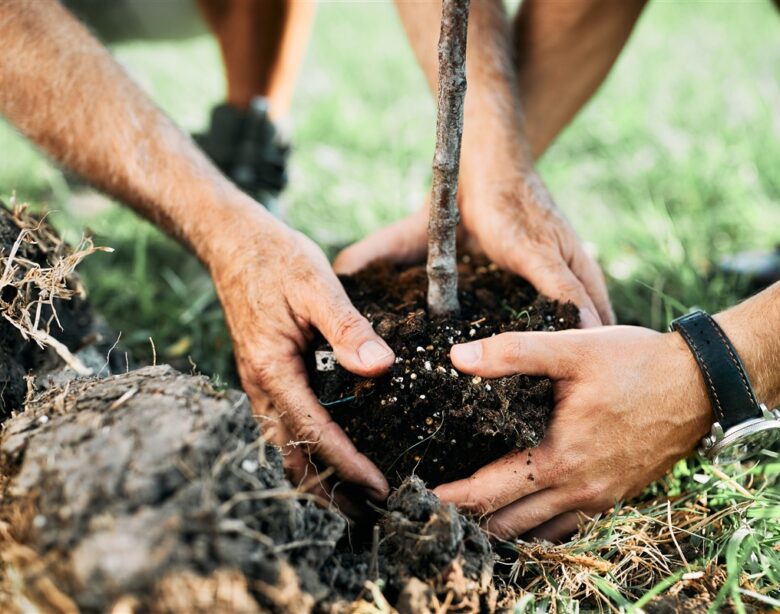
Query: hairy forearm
x,y
63,90
492,109
754,328
564,51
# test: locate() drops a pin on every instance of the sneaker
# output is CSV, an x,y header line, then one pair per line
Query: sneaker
x,y
248,148
755,269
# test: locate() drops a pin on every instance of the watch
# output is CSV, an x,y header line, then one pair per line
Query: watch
x,y
743,426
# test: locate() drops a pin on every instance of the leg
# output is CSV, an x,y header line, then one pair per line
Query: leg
x,y
263,44
563,52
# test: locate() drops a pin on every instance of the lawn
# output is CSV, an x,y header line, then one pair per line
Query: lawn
x,y
675,163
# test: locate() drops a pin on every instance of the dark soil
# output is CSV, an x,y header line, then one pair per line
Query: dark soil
x,y
423,417
155,487
17,357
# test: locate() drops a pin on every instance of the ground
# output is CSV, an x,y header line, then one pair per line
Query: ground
x,y
680,150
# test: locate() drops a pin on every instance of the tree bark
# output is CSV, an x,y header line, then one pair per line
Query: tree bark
x,y
443,221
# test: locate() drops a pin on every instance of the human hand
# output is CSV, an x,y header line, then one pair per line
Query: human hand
x,y
516,224
276,286
629,402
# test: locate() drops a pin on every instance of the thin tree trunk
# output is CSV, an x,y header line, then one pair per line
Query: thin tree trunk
x,y
443,221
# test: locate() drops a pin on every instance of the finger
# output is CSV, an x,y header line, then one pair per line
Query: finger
x,y
556,280
559,528
589,272
312,426
357,346
532,353
526,514
405,241
516,475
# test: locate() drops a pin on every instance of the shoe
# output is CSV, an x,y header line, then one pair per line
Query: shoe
x,y
755,269
247,147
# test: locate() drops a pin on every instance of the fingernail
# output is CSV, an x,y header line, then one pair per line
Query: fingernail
x,y
373,352
588,319
467,353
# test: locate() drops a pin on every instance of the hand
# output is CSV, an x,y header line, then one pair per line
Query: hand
x,y
276,286
629,402
516,224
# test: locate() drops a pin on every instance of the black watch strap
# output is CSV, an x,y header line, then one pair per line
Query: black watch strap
x,y
732,397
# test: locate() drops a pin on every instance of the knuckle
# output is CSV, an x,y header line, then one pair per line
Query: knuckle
x,y
309,434
258,371
512,350
588,494
500,528
348,324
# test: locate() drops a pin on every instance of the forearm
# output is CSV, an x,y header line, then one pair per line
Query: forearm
x,y
63,90
754,328
492,128
564,51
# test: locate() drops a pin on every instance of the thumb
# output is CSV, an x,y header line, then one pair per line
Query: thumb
x,y
404,241
357,347
533,353
557,281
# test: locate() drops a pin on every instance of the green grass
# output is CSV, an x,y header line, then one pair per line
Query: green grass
x,y
675,163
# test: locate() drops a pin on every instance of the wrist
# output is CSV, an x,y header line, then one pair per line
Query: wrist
x,y
225,226
682,367
739,324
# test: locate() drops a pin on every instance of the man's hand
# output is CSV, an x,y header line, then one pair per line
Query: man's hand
x,y
629,402
276,286
504,206
516,224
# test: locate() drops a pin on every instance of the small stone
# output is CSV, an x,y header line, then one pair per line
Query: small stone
x,y
413,376
476,379
453,373
561,320
472,332
488,387
39,521
422,396
427,365
43,419
441,369
429,348
325,360
420,349
249,465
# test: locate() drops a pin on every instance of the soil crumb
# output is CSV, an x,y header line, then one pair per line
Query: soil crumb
x,y
423,417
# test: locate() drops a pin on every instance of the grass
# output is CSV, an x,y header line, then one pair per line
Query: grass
x,y
675,163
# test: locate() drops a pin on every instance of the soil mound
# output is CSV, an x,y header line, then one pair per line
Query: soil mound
x,y
155,490
423,417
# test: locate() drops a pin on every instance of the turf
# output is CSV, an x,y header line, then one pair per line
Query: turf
x,y
675,163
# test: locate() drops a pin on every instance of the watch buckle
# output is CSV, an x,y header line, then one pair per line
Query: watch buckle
x,y
708,442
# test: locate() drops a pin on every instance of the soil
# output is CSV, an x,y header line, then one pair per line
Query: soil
x,y
17,357
423,417
155,490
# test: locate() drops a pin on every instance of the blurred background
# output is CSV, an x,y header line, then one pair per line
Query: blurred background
x,y
674,164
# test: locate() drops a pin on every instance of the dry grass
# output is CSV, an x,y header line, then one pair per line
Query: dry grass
x,y
717,543
30,308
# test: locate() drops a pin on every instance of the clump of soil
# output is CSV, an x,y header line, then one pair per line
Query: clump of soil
x,y
423,417
41,248
151,472
154,491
